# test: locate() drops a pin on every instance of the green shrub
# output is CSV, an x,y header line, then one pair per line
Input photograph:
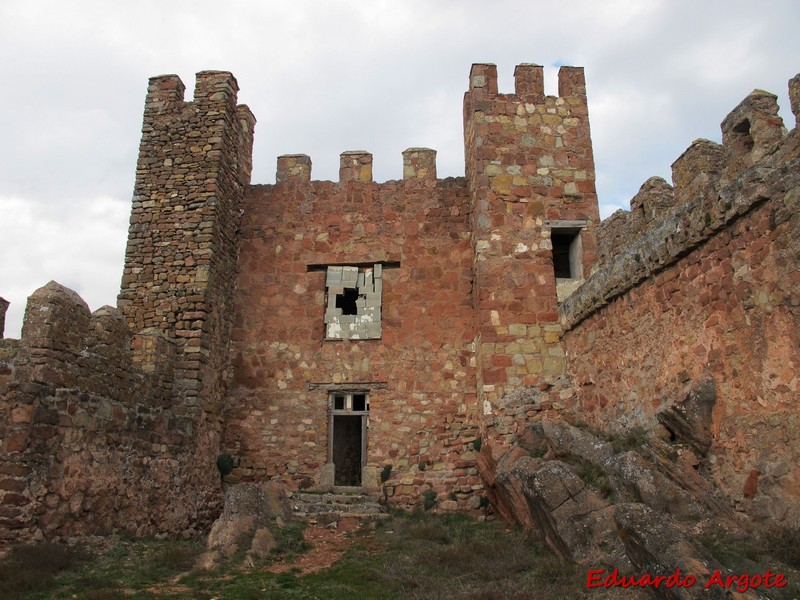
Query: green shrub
x,y
225,464
595,477
633,439
477,444
386,472
428,499
31,568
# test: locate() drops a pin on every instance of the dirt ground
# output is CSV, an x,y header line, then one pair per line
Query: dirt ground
x,y
328,543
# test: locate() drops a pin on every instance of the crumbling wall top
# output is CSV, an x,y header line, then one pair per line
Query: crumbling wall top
x,y
713,185
3,308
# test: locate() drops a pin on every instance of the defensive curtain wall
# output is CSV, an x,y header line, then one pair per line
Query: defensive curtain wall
x,y
319,331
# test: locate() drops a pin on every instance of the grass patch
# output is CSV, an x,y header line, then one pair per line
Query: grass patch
x,y
595,477
632,439
776,547
289,540
409,556
32,568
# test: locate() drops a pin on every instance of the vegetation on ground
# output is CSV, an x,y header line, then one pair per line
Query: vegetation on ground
x,y
408,556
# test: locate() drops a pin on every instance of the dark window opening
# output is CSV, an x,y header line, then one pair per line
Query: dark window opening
x,y
347,301
338,403
359,402
561,254
742,138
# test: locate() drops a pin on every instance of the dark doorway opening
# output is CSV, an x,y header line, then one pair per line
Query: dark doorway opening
x,y
347,446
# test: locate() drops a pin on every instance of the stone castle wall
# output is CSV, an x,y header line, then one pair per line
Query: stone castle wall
x,y
106,431
707,290
245,309
90,443
180,262
420,373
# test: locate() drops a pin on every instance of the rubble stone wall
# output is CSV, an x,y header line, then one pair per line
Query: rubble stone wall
x,y
413,237
90,443
708,290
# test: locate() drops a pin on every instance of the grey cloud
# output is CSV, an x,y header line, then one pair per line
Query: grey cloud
x,y
325,77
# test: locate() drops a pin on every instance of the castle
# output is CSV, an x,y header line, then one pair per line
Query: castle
x,y
320,332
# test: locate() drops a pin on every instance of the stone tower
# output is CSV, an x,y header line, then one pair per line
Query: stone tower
x,y
180,262
530,174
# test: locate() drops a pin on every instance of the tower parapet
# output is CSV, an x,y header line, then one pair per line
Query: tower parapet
x,y
293,167
3,308
419,163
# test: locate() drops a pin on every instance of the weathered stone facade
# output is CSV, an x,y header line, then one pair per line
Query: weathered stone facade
x,y
707,290
321,332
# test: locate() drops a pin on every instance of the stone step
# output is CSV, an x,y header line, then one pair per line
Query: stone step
x,y
306,504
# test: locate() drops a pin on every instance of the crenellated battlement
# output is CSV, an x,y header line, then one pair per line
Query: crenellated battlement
x,y
530,174
528,87
667,221
356,166
751,132
87,413
63,344
459,290
195,161
212,88
3,309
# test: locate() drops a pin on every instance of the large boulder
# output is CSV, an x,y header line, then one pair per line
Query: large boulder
x,y
660,546
575,522
252,512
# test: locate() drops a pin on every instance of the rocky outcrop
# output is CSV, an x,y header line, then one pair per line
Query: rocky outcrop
x,y
630,503
690,420
252,512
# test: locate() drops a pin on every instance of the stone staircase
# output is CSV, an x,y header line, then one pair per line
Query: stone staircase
x,y
341,502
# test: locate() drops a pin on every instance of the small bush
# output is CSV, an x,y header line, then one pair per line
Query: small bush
x,y
225,464
175,556
47,556
784,542
429,531
289,539
633,439
484,502
595,477
538,452
386,472
428,499
477,444
106,594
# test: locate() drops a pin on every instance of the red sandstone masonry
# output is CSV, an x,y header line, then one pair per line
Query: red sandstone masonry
x,y
112,421
710,290
194,163
422,413
3,309
529,164
89,440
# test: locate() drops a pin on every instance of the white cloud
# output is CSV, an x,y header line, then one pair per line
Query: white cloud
x,y
82,249
325,77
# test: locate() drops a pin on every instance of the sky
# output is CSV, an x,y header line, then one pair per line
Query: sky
x,y
327,76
